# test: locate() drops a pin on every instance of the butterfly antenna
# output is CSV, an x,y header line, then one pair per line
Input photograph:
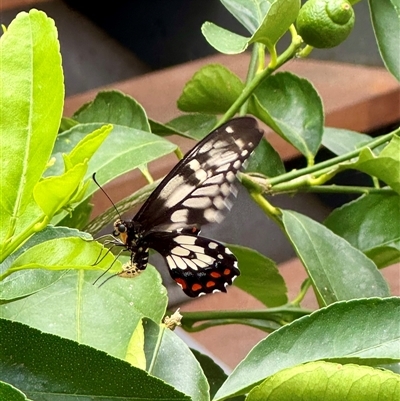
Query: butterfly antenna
x,y
105,193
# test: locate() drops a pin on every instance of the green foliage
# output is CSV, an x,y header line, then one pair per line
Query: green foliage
x,y
63,337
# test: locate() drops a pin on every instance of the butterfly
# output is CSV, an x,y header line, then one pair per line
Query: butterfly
x,y
197,191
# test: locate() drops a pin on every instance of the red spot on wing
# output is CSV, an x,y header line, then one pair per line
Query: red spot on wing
x,y
196,287
210,284
181,282
215,274
227,272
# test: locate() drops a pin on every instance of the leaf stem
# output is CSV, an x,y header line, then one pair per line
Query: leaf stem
x,y
287,313
326,166
288,54
253,66
343,189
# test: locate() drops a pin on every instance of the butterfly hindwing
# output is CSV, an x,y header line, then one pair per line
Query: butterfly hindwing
x,y
199,265
198,189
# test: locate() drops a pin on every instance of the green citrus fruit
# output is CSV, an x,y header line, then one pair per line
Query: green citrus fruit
x,y
325,23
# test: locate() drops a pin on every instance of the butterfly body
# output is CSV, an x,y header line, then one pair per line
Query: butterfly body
x,y
197,191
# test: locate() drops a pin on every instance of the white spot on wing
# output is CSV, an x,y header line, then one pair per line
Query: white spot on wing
x,y
229,129
206,147
170,262
213,245
237,164
179,251
219,203
178,193
230,176
185,239
194,165
205,258
216,179
211,190
200,263
222,168
228,252
197,203
179,216
200,174
179,262
195,248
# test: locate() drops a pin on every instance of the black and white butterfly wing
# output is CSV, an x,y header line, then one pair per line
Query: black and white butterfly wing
x,y
198,265
198,188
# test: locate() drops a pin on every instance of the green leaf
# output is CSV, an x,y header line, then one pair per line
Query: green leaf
x,y
10,393
104,318
266,160
64,253
114,107
370,224
280,15
47,367
328,381
249,13
292,108
124,150
170,359
194,126
26,282
385,15
31,105
135,354
341,141
54,193
87,146
224,41
338,270
66,124
259,277
385,166
80,216
344,331
211,90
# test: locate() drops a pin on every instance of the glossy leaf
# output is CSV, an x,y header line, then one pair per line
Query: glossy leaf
x,y
170,359
114,107
328,381
87,146
10,393
385,15
211,90
259,277
26,282
75,307
124,150
338,270
54,193
224,41
266,160
31,105
344,331
370,224
45,367
194,126
292,108
385,166
340,141
249,13
280,15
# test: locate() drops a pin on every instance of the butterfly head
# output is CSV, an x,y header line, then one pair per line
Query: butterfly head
x,y
121,230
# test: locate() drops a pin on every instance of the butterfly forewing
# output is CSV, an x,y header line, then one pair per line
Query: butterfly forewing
x,y
198,189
